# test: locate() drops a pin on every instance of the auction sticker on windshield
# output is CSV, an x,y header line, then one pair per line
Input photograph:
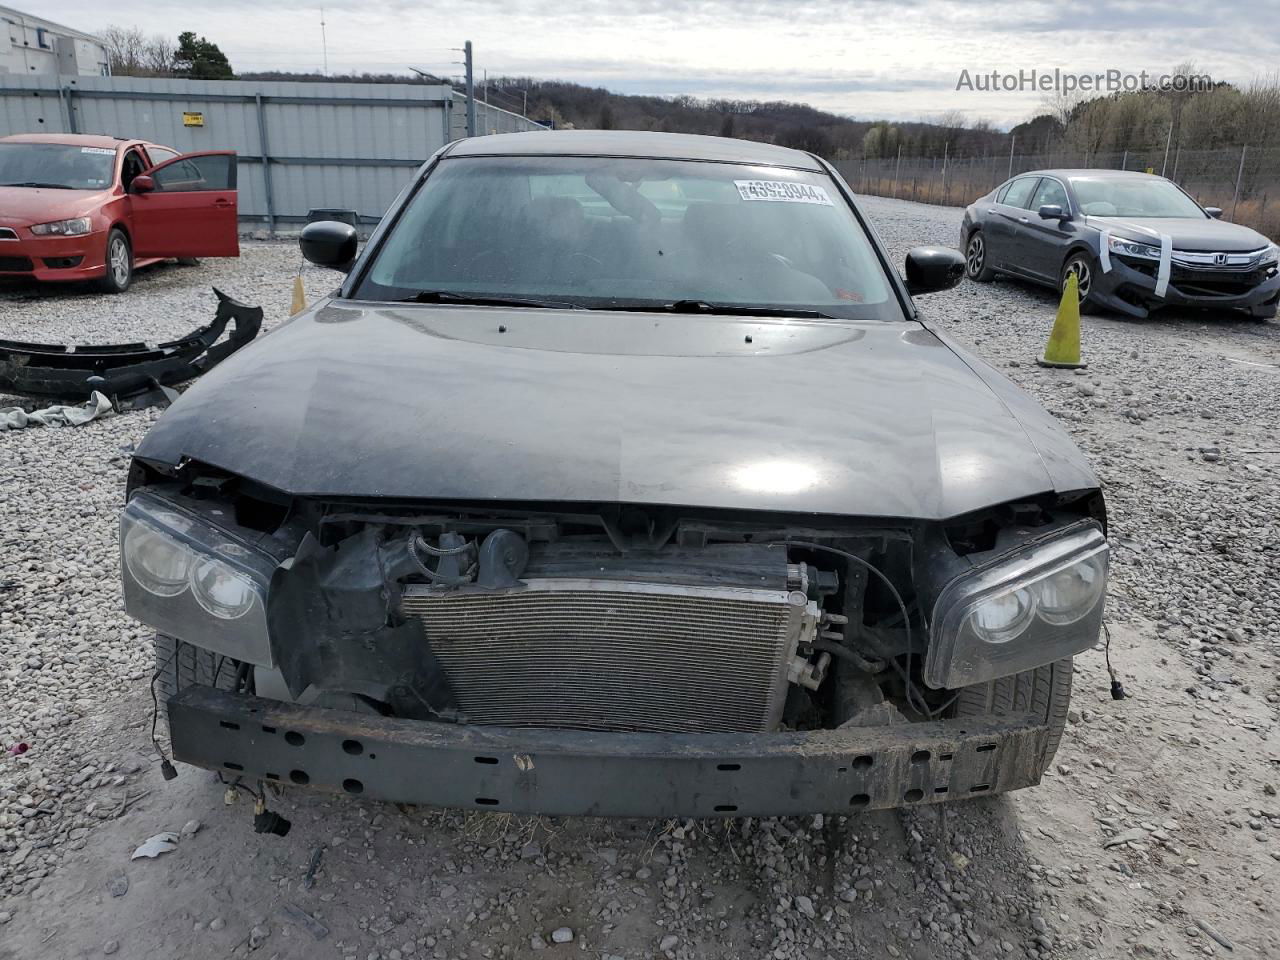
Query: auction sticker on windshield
x,y
782,190
100,151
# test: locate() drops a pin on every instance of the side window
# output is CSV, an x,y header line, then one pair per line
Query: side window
x,y
1004,192
1050,191
159,155
199,172
133,165
1019,192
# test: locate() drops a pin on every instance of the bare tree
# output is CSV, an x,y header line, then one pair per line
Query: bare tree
x,y
134,54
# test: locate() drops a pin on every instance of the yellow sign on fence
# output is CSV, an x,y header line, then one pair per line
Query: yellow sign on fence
x,y
192,119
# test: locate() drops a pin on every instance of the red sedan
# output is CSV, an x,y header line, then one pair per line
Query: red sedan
x,y
78,207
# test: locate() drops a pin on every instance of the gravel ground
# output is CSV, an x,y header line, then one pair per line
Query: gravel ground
x,y
1156,834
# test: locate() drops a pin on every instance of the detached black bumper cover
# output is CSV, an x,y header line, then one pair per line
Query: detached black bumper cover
x,y
565,772
125,369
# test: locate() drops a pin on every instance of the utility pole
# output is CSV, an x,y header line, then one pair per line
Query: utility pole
x,y
1167,141
324,43
471,91
1013,138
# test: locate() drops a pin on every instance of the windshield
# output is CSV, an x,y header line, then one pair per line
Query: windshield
x,y
610,233
1114,197
56,165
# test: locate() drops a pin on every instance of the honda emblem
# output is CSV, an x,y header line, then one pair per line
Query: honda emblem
x,y
1220,259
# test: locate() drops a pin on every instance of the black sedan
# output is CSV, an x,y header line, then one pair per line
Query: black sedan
x,y
1135,243
620,476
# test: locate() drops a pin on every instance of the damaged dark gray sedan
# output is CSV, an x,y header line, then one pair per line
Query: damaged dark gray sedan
x,y
619,477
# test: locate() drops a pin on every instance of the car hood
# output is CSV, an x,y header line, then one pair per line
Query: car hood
x,y
1188,233
467,403
23,206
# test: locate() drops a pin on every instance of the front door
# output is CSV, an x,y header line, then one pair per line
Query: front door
x,y
1044,242
191,212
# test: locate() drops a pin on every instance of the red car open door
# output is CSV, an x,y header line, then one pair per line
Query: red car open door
x,y
186,207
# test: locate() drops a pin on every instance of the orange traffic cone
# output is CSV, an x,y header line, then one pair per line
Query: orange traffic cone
x,y
1063,348
299,297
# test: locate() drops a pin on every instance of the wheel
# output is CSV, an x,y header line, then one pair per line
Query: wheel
x,y
1085,269
188,667
119,273
1044,691
975,258
188,261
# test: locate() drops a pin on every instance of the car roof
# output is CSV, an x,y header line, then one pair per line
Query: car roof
x,y
632,143
1094,172
70,139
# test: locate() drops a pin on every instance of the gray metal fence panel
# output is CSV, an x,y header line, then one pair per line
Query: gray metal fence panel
x,y
346,145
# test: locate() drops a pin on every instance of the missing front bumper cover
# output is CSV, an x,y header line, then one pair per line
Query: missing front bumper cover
x,y
565,772
137,373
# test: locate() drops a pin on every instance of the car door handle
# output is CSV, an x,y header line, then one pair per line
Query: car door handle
x,y
222,202
1023,220
991,209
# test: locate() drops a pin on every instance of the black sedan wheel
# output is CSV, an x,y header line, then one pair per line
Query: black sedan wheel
x,y
1085,268
975,258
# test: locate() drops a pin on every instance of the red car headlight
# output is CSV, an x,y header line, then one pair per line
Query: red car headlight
x,y
63,228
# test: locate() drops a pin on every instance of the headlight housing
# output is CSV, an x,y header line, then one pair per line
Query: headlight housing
x,y
191,579
1133,248
1270,255
77,227
1040,604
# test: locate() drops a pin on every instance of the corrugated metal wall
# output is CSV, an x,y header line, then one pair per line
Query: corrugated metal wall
x,y
345,145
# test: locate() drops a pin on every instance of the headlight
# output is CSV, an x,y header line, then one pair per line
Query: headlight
x,y
188,577
1132,248
1269,255
1040,604
159,562
1004,616
219,587
63,228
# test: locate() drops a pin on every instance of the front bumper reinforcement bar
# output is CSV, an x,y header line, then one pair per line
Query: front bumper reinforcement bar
x,y
570,772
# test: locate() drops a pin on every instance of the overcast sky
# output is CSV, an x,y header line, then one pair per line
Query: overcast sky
x,y
899,59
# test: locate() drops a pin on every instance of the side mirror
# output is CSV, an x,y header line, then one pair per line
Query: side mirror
x,y
1053,211
142,183
930,269
1215,212
329,243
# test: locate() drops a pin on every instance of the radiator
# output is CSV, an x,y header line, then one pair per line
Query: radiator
x,y
616,655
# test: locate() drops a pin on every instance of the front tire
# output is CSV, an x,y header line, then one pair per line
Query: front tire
x,y
1044,692
119,263
977,266
1086,269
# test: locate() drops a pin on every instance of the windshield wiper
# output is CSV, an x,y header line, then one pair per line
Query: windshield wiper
x,y
728,309
448,296
38,183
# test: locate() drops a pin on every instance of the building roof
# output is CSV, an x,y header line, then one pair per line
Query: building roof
x,y
633,143
31,19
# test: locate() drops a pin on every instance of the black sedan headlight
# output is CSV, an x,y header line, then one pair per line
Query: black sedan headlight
x,y
193,580
1134,248
1040,604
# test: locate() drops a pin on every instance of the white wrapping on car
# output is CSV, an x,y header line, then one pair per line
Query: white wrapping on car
x,y
1166,264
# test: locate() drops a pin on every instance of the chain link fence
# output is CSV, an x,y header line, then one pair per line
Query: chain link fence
x,y
1244,181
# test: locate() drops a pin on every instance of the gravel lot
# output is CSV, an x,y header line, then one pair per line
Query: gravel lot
x,y
1157,833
